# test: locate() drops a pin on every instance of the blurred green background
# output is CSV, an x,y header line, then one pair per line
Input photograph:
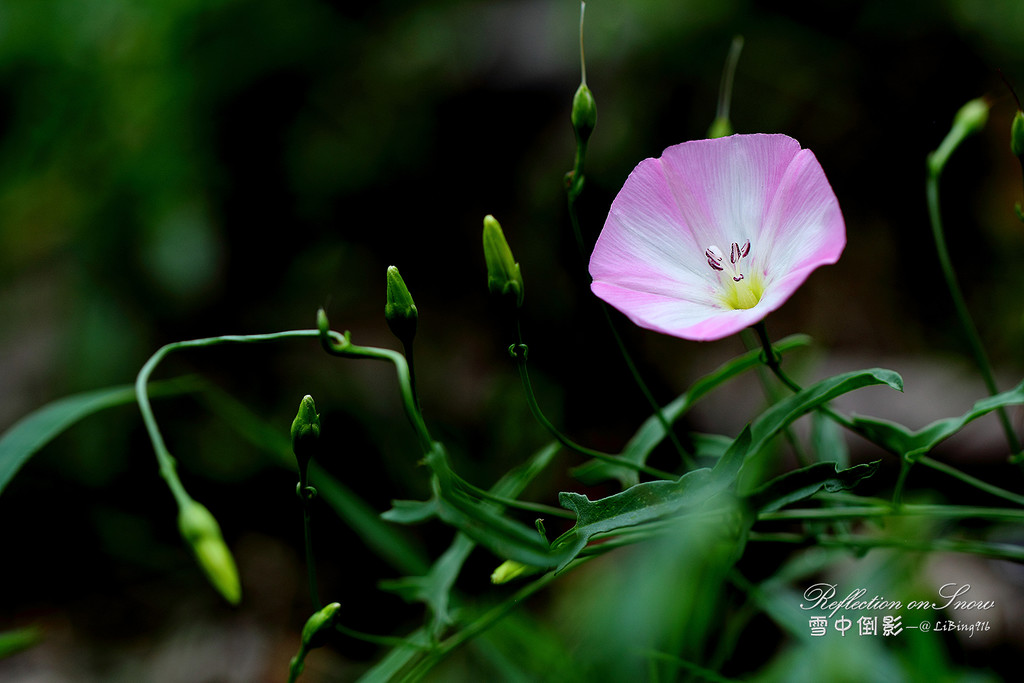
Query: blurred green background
x,y
184,169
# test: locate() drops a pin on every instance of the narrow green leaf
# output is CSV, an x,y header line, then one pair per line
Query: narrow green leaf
x,y
806,481
483,521
913,444
651,432
27,436
19,640
410,511
786,411
399,659
827,440
457,502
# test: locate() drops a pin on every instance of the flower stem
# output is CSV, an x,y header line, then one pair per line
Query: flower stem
x,y
968,479
574,181
306,494
168,465
519,353
338,344
936,163
772,359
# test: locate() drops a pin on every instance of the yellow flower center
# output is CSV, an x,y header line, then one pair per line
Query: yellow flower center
x,y
740,291
743,294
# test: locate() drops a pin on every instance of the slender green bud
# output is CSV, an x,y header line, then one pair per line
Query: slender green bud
x,y
305,432
201,531
584,113
510,570
313,635
970,119
503,276
400,311
1017,135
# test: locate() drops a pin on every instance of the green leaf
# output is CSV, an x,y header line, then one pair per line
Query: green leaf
x,y
911,444
643,503
806,481
460,506
782,414
457,502
27,436
399,659
827,440
18,640
651,432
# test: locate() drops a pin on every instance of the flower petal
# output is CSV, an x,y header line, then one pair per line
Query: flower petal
x,y
650,263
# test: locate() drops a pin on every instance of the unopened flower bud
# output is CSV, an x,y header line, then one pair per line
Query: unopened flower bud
x,y
317,627
503,276
584,113
972,116
509,570
201,531
1017,135
400,311
314,634
969,120
305,432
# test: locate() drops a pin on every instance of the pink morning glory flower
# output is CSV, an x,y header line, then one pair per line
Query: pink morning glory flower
x,y
715,234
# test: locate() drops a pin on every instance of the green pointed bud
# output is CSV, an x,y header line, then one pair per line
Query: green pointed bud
x,y
305,432
969,120
201,531
314,634
1017,135
503,276
510,570
972,117
400,311
584,113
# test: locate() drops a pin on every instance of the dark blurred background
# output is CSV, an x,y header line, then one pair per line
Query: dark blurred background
x,y
186,169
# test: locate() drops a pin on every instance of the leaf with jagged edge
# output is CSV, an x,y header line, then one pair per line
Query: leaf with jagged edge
x,y
805,482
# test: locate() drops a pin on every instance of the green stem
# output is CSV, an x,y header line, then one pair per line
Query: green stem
x,y
901,480
574,181
772,397
519,352
936,164
407,352
481,624
688,460
968,479
167,463
314,593
338,344
772,359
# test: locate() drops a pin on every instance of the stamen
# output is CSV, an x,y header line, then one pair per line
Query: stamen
x,y
734,253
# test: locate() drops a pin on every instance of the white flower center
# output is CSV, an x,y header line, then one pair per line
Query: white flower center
x,y
740,290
